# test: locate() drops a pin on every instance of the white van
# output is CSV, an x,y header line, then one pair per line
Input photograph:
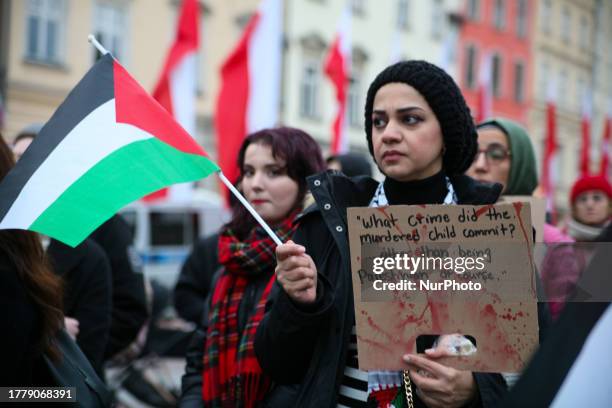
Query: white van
x,y
165,231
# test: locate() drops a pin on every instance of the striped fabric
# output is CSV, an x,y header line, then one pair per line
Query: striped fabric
x,y
108,144
354,385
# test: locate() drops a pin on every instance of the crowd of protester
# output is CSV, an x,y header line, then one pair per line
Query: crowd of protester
x,y
276,324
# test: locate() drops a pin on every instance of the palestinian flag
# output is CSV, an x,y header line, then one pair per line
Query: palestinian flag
x,y
109,143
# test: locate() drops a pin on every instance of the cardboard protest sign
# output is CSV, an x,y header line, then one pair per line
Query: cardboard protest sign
x,y
538,212
480,283
538,218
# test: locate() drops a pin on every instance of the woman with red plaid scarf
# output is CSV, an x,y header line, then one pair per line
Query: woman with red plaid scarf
x,y
222,370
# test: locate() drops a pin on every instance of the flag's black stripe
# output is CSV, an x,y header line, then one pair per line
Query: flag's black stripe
x,y
96,88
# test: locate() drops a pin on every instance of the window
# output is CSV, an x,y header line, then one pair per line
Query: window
x,y
561,97
174,228
519,82
470,66
521,18
110,28
584,33
403,14
566,24
580,92
544,80
437,19
546,16
496,75
354,105
44,24
473,9
499,14
309,89
358,7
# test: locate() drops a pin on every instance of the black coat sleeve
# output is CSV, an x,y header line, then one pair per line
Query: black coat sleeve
x,y
193,283
87,295
286,336
191,382
130,310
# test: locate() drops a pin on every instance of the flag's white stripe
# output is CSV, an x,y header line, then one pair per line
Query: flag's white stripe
x,y
345,33
183,92
264,59
94,138
588,382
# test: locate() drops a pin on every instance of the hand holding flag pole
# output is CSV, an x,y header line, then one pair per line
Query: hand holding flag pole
x,y
228,184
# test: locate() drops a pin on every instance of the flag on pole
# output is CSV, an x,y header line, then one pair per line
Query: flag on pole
x,y
605,142
587,113
396,53
447,52
485,91
249,95
338,69
176,88
109,143
550,149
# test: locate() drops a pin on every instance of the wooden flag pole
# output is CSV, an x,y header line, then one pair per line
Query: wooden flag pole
x,y
244,202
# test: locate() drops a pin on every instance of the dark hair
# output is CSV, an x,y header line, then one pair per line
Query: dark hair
x,y
25,251
445,100
302,155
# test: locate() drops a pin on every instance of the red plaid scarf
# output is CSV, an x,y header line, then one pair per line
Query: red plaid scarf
x,y
232,376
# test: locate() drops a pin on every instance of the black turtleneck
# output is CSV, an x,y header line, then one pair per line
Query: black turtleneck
x,y
430,190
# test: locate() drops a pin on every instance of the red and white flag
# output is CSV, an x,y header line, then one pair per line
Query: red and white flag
x,y
338,69
249,95
587,114
550,149
605,142
176,88
485,90
396,53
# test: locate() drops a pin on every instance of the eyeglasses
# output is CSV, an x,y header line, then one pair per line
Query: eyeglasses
x,y
494,153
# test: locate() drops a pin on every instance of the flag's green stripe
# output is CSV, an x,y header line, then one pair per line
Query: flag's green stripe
x,y
124,176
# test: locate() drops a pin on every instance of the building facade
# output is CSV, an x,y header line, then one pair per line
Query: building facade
x,y
499,31
45,52
572,57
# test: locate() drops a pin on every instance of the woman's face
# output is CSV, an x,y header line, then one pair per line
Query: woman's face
x,y
492,162
266,184
592,207
406,135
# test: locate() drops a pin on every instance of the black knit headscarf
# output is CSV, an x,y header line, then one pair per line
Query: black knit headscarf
x,y
447,103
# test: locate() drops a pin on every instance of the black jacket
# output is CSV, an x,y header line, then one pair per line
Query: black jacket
x,y
130,310
194,282
309,346
87,294
191,387
21,324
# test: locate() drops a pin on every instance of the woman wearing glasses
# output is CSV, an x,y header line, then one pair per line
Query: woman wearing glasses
x,y
506,156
